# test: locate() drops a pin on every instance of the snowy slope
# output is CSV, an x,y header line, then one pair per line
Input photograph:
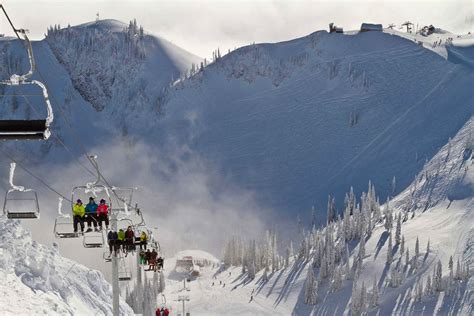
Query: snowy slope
x,y
273,119
442,202
132,78
453,47
276,118
439,207
37,280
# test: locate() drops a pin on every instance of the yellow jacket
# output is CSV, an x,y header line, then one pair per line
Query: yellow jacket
x,y
143,237
79,210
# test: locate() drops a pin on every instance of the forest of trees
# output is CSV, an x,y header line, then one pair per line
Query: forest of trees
x,y
328,251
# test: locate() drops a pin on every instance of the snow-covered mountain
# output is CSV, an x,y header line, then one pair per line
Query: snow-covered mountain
x,y
284,123
298,120
37,280
437,213
291,122
118,65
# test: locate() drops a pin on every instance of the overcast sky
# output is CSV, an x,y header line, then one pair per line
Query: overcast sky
x,y
203,25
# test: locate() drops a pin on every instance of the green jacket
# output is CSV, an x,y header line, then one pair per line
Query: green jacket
x,y
79,210
121,235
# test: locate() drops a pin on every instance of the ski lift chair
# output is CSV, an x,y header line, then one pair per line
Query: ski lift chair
x,y
63,228
63,224
90,239
26,129
124,274
124,195
20,203
93,240
106,256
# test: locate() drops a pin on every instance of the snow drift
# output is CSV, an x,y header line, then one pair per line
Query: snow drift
x,y
37,280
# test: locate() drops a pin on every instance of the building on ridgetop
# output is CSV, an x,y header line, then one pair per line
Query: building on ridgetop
x,y
368,27
335,29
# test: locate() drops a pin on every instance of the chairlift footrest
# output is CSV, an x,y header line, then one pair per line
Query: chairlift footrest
x,y
25,215
93,245
68,235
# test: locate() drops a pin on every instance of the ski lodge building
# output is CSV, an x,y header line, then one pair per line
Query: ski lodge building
x,y
368,27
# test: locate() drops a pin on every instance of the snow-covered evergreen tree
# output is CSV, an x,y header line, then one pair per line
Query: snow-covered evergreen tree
x,y
375,293
451,266
265,275
417,253
428,286
418,290
402,245
388,216
336,282
458,275
398,230
389,249
331,210
310,294
407,257
355,300
361,253
363,298
438,277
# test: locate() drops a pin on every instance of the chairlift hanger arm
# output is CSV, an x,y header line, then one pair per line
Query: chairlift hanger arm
x,y
10,21
18,79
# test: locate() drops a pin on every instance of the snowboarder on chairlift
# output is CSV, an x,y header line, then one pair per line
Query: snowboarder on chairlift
x,y
102,214
142,257
78,212
147,256
152,260
159,263
112,237
91,214
130,239
121,239
143,240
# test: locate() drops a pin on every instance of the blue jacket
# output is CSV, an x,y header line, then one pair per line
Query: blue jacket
x,y
112,235
91,208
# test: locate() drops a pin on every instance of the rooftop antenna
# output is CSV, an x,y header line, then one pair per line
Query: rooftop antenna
x,y
391,26
408,25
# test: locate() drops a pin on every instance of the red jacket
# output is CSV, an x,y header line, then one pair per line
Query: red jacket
x,y
129,234
102,209
157,313
166,312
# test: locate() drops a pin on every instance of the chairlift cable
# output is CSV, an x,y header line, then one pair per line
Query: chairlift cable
x,y
10,21
18,95
34,176
78,141
76,138
59,140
